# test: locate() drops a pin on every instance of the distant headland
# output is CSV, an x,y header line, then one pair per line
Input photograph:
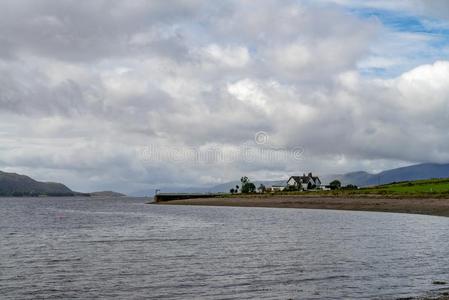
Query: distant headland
x,y
17,185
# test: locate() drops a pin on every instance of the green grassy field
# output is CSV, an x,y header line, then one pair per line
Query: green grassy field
x,y
413,188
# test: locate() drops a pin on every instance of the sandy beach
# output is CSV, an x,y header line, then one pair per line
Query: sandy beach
x,y
427,206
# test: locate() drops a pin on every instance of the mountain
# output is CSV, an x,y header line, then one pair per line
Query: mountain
x,y
414,172
12,184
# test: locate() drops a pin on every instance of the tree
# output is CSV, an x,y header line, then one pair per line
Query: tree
x,y
247,185
262,188
335,185
232,191
244,180
236,189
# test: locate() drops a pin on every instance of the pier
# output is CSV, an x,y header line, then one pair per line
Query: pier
x,y
163,197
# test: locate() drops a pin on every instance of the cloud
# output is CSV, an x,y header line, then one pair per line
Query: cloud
x,y
70,30
436,8
84,87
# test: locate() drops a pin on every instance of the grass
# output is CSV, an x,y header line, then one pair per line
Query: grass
x,y
432,187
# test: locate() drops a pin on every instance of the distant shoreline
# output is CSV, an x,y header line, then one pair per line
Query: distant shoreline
x,y
424,206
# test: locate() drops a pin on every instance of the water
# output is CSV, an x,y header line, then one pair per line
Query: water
x,y
122,248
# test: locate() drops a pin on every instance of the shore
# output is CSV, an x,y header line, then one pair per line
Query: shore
x,y
427,206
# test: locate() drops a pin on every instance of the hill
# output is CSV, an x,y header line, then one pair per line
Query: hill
x,y
12,184
428,187
409,173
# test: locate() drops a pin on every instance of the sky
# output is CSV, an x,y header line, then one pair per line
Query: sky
x,y
135,95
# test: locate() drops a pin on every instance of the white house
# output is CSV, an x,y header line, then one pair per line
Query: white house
x,y
305,182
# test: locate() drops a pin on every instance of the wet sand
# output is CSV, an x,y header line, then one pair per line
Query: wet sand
x,y
427,206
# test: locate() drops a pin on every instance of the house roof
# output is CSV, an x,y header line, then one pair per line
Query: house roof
x,y
295,178
305,178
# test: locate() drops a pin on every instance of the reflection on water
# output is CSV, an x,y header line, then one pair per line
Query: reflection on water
x,y
124,249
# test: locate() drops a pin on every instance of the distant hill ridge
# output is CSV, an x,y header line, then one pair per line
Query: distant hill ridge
x,y
12,184
16,185
414,172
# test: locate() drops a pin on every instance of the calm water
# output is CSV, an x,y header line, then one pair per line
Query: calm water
x,y
125,249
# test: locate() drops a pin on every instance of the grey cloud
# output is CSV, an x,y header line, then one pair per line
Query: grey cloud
x,y
33,97
436,8
89,30
84,85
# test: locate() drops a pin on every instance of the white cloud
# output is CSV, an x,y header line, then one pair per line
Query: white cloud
x,y
249,92
231,56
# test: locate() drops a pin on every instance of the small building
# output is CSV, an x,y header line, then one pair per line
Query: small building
x,y
277,188
324,187
304,182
